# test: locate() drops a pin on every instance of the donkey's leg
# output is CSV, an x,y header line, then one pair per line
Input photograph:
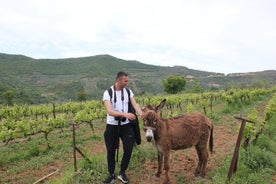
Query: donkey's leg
x,y
160,164
199,165
204,161
167,167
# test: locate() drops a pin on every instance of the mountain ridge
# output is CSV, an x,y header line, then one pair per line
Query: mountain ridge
x,y
46,80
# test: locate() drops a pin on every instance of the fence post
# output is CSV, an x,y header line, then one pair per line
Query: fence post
x,y
74,148
54,110
234,162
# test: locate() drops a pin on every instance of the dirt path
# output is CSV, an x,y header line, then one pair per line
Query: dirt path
x,y
184,162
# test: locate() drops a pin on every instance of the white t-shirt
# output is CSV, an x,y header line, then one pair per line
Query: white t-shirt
x,y
121,106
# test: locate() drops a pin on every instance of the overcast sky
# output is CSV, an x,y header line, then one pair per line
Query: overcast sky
x,y
225,36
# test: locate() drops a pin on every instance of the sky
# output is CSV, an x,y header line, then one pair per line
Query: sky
x,y
223,36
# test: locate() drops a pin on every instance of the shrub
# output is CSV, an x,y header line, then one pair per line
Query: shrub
x,y
265,143
257,159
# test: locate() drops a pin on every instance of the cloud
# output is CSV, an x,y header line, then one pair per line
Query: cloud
x,y
218,36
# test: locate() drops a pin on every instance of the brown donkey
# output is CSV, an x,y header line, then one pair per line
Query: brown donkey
x,y
192,129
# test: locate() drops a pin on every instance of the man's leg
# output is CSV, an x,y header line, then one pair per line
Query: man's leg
x,y
128,139
111,137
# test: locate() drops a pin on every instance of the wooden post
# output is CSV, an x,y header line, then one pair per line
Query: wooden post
x,y
74,148
211,103
234,162
54,111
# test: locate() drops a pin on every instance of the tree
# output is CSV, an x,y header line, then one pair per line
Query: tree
x,y
174,84
8,95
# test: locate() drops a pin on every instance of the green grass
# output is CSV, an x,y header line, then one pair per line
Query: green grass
x,y
256,165
29,156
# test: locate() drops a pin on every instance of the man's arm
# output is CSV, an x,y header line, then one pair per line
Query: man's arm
x,y
136,106
111,112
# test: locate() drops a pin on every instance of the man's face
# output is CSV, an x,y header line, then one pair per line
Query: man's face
x,y
123,81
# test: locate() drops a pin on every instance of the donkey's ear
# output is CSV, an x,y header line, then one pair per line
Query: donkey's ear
x,y
161,105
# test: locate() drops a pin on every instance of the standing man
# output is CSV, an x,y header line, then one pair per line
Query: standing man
x,y
118,125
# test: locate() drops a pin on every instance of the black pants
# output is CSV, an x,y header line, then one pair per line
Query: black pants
x,y
126,134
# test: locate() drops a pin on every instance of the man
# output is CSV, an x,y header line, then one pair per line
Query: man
x,y
118,125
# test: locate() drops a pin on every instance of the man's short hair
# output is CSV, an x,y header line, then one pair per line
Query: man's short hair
x,y
121,74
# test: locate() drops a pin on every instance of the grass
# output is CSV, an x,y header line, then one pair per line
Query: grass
x,y
20,160
27,161
256,165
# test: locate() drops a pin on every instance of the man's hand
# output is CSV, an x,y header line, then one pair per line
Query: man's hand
x,y
130,116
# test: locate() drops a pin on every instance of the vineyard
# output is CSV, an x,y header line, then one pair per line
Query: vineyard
x,y
37,140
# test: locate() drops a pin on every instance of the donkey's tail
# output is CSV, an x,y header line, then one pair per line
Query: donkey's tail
x,y
211,140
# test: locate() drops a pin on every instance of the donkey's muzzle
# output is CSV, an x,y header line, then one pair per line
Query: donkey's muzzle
x,y
149,135
149,138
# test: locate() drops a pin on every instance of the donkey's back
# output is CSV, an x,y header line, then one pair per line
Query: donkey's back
x,y
188,130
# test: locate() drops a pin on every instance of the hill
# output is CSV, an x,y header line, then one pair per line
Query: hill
x,y
48,80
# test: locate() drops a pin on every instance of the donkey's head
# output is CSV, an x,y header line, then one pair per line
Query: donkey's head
x,y
150,119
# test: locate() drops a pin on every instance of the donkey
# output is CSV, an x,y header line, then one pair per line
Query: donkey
x,y
192,129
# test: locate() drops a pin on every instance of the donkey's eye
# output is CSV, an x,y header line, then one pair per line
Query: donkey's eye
x,y
145,122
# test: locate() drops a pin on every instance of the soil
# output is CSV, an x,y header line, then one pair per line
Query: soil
x,y
183,162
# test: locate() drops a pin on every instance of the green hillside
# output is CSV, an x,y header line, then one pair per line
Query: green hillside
x,y
48,80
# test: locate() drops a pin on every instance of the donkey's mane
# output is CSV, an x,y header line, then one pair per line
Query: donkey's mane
x,y
176,117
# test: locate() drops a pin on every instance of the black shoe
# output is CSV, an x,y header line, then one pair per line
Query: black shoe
x,y
123,177
111,179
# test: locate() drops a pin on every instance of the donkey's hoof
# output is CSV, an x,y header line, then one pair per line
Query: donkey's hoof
x,y
197,174
157,174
